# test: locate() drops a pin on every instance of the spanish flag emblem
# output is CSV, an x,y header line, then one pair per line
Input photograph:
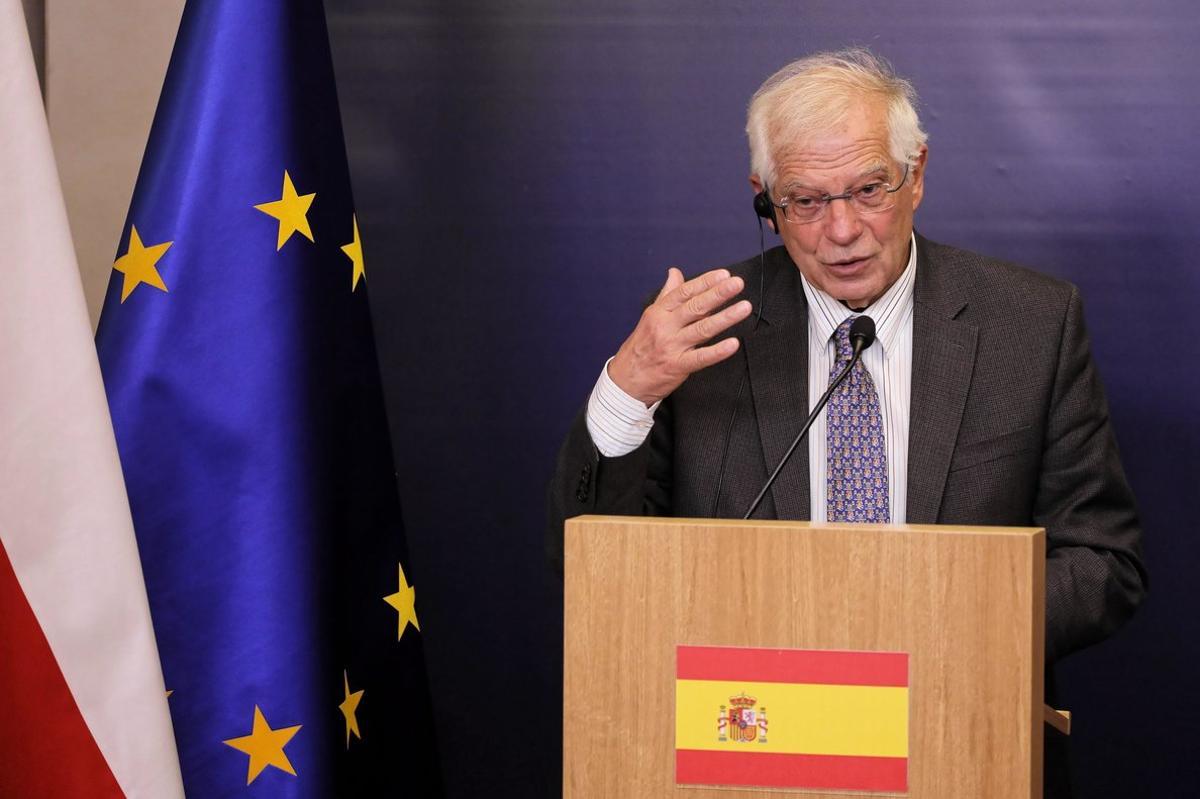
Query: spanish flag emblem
x,y
791,718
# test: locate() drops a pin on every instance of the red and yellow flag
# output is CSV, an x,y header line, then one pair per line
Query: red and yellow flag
x,y
791,718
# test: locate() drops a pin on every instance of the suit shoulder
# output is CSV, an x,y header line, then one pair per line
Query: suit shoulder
x,y
993,286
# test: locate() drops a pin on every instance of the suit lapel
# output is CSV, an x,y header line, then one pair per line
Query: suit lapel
x,y
943,361
777,355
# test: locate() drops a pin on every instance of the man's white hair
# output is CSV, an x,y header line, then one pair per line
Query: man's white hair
x,y
815,93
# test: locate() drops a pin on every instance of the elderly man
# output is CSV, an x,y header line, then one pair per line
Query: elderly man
x,y
977,404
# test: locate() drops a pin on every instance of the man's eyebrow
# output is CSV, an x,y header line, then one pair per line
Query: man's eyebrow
x,y
793,185
873,170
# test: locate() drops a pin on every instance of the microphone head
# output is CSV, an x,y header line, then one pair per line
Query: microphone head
x,y
862,333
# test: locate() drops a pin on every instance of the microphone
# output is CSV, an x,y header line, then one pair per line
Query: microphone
x,y
862,335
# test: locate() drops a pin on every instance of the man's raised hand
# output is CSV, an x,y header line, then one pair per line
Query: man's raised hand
x,y
669,342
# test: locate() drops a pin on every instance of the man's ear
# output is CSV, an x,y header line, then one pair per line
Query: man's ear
x,y
917,176
759,187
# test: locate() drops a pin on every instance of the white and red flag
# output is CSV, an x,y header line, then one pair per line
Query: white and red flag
x,y
83,712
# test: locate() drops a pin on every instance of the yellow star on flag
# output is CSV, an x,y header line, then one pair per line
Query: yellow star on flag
x,y
292,212
265,746
138,264
349,707
353,251
404,601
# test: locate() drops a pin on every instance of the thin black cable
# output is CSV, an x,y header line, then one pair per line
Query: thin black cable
x,y
812,417
737,400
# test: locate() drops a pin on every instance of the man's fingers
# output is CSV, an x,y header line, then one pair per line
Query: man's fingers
x,y
712,299
674,281
709,326
703,357
695,288
709,301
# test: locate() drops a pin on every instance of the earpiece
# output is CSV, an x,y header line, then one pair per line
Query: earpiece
x,y
765,208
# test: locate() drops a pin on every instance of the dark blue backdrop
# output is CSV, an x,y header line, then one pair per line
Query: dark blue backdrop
x,y
526,171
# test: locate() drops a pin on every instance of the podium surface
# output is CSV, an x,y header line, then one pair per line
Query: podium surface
x,y
965,605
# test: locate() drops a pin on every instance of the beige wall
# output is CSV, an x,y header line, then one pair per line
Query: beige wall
x,y
104,68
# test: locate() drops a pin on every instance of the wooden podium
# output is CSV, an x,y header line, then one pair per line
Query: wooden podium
x,y
965,603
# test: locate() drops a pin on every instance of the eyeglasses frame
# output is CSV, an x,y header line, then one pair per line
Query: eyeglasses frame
x,y
826,199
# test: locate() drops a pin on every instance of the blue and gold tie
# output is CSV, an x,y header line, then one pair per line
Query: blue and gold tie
x,y
857,480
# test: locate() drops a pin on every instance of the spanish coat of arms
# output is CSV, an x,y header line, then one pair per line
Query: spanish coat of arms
x,y
740,722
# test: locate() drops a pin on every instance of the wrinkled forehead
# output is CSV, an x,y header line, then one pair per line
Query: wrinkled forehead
x,y
855,145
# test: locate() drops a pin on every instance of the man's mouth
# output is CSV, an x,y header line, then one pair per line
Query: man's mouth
x,y
846,264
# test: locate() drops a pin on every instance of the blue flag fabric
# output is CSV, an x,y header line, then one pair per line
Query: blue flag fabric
x,y
238,357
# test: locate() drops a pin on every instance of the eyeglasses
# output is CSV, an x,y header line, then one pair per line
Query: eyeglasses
x,y
870,198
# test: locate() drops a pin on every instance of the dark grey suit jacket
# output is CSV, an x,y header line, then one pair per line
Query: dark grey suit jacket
x,y
1008,426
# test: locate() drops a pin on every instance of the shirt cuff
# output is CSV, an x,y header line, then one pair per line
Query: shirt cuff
x,y
617,422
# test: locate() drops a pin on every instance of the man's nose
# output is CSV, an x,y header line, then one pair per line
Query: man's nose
x,y
842,222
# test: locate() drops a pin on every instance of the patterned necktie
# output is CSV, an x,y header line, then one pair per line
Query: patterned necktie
x,y
857,479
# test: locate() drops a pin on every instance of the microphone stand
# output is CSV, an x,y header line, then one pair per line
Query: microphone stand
x,y
861,342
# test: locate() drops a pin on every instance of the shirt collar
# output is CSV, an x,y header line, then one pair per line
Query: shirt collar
x,y
890,311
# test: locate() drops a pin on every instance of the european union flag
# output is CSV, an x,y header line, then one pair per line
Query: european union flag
x,y
238,357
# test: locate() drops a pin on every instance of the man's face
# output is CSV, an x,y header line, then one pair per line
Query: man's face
x,y
852,256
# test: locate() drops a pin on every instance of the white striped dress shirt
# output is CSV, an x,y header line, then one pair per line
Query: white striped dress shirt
x,y
618,423
889,360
